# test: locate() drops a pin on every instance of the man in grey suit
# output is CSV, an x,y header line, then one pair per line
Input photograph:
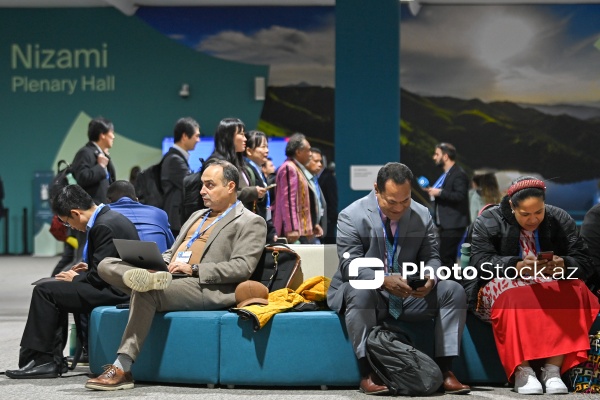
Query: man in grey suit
x,y
175,167
218,247
388,226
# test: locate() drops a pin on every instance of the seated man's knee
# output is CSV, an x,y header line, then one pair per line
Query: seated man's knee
x,y
447,289
357,298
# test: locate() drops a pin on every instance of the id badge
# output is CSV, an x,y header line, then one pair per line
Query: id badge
x,y
184,256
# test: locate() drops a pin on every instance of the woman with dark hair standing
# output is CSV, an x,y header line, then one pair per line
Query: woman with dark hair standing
x,y
257,151
531,265
230,145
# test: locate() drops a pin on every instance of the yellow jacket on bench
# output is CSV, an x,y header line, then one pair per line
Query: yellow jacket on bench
x,y
313,289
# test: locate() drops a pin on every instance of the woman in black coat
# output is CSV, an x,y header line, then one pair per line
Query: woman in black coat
x,y
531,266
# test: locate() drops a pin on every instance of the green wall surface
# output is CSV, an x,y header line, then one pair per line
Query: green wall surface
x,y
62,67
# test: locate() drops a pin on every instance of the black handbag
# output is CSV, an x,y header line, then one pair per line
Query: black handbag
x,y
278,268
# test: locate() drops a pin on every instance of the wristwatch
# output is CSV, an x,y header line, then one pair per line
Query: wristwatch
x,y
195,270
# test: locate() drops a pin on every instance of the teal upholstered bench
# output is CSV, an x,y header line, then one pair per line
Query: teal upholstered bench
x,y
182,347
293,349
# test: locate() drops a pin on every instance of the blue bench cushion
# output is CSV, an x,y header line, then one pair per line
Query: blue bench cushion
x,y
295,348
182,347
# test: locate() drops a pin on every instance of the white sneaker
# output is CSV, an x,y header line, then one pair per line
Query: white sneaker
x,y
526,382
553,383
142,280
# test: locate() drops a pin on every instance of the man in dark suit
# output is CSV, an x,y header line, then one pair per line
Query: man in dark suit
x,y
175,167
387,225
92,168
451,195
78,290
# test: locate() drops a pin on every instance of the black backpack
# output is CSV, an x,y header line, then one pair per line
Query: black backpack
x,y
148,187
191,199
404,369
63,177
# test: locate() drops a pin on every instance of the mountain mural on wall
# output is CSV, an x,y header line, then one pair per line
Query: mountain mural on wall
x,y
300,108
498,135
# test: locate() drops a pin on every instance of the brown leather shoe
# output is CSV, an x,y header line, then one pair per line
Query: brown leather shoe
x,y
371,384
112,378
453,386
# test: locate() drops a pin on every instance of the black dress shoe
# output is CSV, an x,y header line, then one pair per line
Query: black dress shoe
x,y
33,371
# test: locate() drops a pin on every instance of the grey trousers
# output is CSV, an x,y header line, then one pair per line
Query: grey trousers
x,y
446,304
184,294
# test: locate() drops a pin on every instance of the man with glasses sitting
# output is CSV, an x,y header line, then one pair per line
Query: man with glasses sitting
x,y
78,290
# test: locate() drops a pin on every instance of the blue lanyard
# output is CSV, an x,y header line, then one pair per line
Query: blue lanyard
x,y
262,178
90,225
438,184
199,233
391,250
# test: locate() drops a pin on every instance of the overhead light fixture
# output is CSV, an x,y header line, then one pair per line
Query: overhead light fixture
x,y
184,91
259,88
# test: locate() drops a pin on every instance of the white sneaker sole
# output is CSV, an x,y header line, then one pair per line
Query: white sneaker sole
x,y
530,391
142,280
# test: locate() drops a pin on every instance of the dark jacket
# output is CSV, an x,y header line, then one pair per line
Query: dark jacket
x,y
496,241
109,225
90,175
452,205
259,206
590,232
173,169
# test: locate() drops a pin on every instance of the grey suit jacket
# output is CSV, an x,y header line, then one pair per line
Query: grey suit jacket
x,y
360,234
231,252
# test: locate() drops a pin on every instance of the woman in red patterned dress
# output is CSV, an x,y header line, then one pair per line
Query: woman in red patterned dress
x,y
540,309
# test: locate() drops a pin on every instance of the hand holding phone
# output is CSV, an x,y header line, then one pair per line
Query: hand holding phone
x,y
272,185
416,283
545,255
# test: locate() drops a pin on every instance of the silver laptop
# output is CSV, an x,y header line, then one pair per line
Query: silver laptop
x,y
142,255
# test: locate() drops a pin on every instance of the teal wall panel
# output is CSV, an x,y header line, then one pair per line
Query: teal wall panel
x,y
137,74
367,88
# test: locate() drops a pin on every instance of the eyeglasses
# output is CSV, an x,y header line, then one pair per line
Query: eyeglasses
x,y
63,222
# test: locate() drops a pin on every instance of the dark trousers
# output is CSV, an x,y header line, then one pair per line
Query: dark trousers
x,y
449,241
47,323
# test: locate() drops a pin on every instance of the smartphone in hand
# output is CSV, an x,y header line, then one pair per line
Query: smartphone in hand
x,y
545,255
271,186
416,283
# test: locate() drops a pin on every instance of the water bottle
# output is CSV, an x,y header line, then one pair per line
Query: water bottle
x,y
73,340
465,254
71,179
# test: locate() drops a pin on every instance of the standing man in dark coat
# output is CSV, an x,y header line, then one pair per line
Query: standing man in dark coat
x,y
78,290
175,167
92,168
451,195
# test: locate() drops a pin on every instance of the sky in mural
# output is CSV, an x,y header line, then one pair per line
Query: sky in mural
x,y
527,54
297,42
